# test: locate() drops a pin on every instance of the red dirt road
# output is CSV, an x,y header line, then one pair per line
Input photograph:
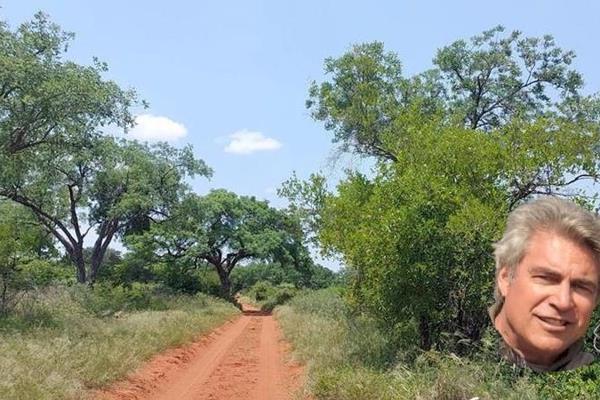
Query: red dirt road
x,y
243,359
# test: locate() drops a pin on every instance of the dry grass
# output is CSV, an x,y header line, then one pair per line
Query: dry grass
x,y
57,349
349,359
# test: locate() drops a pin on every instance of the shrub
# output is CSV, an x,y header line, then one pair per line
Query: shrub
x,y
105,299
40,272
269,296
351,357
582,383
261,291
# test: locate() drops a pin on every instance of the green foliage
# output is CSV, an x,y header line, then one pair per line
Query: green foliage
x,y
261,291
418,240
269,296
181,278
325,303
46,99
359,338
40,273
582,383
221,229
21,243
483,83
56,160
417,237
349,356
499,119
105,299
306,199
313,276
245,276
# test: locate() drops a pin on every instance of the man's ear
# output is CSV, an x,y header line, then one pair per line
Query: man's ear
x,y
504,280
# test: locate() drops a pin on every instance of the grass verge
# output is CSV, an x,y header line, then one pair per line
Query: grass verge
x,y
62,342
350,358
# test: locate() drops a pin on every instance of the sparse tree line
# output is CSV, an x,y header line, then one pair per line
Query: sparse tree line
x,y
64,180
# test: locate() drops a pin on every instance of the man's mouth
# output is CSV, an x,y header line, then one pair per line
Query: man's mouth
x,y
557,322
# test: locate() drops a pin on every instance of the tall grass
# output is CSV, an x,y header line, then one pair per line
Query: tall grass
x,y
350,358
64,341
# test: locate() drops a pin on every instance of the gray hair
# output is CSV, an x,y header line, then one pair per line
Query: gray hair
x,y
543,214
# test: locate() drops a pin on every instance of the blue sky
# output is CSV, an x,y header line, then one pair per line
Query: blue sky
x,y
231,77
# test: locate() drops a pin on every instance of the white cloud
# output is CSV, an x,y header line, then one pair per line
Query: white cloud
x,y
154,128
247,142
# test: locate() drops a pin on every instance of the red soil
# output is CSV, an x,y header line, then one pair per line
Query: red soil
x,y
243,359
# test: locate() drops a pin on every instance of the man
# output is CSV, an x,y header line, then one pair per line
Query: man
x,y
547,284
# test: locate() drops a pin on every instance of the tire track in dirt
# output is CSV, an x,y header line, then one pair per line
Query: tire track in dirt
x,y
244,359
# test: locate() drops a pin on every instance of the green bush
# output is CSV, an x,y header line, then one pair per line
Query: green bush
x,y
38,272
261,291
582,383
104,299
351,357
244,277
282,294
325,302
268,296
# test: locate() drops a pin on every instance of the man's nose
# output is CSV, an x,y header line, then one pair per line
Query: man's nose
x,y
562,298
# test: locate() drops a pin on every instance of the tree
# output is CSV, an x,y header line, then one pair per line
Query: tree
x,y
102,184
492,79
45,99
57,162
224,230
483,83
306,200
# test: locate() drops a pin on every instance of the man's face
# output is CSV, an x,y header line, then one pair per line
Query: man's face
x,y
550,298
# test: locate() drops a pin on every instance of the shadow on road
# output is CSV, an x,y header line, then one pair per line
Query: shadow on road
x,y
255,313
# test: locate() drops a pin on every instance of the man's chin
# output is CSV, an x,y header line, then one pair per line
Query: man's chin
x,y
546,350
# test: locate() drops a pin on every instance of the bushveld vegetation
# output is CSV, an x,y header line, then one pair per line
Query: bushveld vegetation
x,y
351,356
498,119
76,314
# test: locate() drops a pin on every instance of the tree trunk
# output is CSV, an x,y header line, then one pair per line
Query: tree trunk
x,y
96,262
425,332
225,282
225,286
78,260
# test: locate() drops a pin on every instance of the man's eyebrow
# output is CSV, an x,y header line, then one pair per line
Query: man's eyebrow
x,y
557,275
585,282
546,271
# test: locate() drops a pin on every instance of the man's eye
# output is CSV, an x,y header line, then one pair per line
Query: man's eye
x,y
584,288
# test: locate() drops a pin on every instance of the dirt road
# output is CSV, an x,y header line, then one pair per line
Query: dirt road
x,y
244,359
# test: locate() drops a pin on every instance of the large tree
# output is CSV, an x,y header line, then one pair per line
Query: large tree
x,y
106,186
46,99
223,229
57,162
484,83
